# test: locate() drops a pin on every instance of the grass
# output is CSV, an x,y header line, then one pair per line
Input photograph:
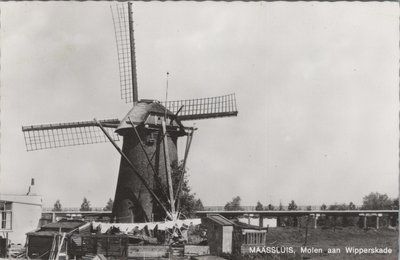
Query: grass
x,y
328,238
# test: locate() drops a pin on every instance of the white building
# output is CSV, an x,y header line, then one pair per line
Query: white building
x,y
19,214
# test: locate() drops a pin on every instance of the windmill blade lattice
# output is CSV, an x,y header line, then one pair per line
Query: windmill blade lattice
x,y
123,27
39,137
202,108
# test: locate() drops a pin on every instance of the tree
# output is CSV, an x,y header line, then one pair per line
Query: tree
x,y
338,207
323,207
109,205
292,221
85,206
271,207
376,200
188,203
309,208
280,206
292,205
395,203
259,206
343,220
234,204
198,205
57,206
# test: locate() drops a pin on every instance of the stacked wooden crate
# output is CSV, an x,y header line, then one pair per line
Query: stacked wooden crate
x,y
112,245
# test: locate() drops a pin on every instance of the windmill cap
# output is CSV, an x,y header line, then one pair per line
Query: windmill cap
x,y
139,113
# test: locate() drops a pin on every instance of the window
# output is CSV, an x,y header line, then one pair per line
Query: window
x,y
151,138
5,215
156,119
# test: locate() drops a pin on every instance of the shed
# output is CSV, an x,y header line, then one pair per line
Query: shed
x,y
40,242
219,234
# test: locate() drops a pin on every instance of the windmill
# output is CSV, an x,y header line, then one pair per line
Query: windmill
x,y
146,189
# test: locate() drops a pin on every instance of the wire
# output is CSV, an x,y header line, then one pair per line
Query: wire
x,y
166,97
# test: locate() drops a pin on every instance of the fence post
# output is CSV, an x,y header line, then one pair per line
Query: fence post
x,y
315,221
377,221
261,221
365,221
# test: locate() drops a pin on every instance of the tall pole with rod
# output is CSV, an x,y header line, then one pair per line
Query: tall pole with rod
x,y
166,155
133,54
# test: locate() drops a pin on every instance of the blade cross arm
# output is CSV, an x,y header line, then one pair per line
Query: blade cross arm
x,y
38,137
202,108
108,122
124,36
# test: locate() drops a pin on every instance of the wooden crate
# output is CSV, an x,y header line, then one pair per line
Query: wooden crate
x,y
148,251
193,250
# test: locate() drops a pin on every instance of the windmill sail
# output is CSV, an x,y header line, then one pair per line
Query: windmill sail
x,y
38,137
202,108
123,27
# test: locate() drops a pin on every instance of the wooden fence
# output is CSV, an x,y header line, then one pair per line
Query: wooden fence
x,y
242,238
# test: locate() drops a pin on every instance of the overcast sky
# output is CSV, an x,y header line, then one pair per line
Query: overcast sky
x,y
316,87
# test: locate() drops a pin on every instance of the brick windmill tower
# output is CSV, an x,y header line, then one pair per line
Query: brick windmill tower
x,y
146,187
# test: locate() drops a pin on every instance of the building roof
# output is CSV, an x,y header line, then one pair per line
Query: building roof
x,y
139,112
55,228
42,233
22,199
65,226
